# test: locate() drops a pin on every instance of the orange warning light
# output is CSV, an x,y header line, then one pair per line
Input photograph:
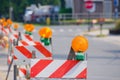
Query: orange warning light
x,y
5,24
26,26
9,21
15,26
45,32
80,44
31,27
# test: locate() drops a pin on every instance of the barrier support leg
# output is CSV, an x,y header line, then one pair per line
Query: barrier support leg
x,y
71,54
15,72
9,69
15,66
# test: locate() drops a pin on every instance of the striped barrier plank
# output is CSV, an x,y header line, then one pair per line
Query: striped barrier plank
x,y
58,69
3,45
22,71
9,59
24,43
23,36
25,52
5,31
27,43
3,41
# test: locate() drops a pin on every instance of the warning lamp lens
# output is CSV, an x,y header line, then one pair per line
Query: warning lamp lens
x,y
5,24
31,27
15,26
26,26
9,21
45,32
80,44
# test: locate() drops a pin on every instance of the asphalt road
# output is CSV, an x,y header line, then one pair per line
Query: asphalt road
x,y
103,56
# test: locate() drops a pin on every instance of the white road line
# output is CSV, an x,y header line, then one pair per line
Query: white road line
x,y
78,30
61,30
70,30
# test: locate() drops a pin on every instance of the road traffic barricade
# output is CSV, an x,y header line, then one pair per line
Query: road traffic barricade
x,y
24,40
25,52
33,60
23,47
75,67
22,71
68,69
27,45
5,31
5,26
24,37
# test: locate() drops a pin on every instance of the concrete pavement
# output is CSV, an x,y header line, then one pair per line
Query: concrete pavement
x,y
114,39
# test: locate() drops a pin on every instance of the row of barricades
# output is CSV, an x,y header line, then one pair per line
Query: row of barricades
x,y
23,51
33,59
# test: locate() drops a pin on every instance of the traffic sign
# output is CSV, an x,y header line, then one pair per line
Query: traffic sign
x,y
89,4
93,8
116,3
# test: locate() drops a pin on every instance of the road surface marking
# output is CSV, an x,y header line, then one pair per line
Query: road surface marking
x,y
61,30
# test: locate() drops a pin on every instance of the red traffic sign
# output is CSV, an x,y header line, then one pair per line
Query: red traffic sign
x,y
88,4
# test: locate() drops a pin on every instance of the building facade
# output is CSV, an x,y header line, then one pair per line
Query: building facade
x,y
102,8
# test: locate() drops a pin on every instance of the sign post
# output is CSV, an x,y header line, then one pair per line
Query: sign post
x,y
89,4
101,21
116,4
90,8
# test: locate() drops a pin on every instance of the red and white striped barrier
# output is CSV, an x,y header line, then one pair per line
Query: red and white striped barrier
x,y
23,43
9,59
25,52
22,71
28,43
3,45
5,31
58,69
24,37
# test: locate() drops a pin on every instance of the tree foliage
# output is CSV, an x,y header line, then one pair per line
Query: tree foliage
x,y
4,8
62,4
47,2
18,8
20,5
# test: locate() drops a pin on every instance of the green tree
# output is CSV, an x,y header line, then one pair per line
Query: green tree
x,y
48,2
20,5
4,8
18,8
62,3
